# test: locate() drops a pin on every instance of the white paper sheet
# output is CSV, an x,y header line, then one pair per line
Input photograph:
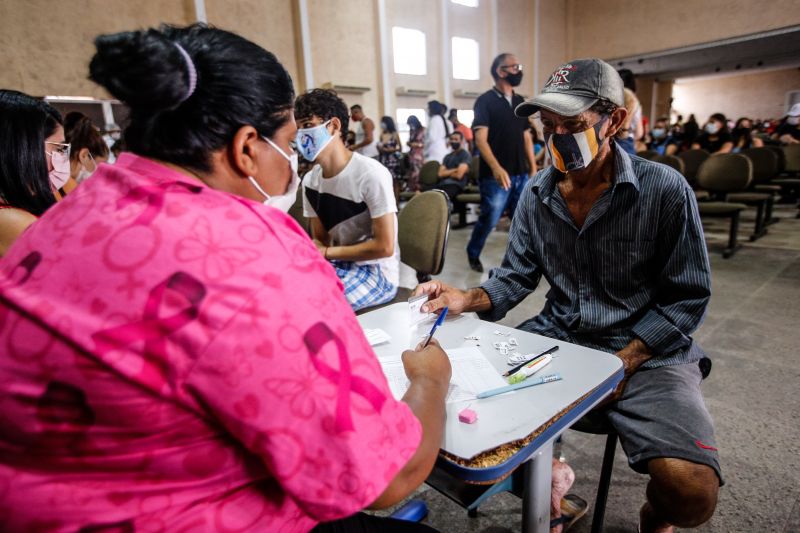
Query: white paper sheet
x,y
472,373
376,336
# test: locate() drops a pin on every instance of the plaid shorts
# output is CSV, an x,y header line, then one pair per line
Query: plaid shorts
x,y
364,285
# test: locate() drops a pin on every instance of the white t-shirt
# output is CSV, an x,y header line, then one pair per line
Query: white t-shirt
x,y
436,139
347,202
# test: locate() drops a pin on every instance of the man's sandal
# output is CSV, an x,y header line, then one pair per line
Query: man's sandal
x,y
573,507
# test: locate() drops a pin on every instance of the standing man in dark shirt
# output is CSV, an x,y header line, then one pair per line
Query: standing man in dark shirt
x,y
453,171
506,150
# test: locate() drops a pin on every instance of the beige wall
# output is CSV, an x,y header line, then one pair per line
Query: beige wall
x,y
45,46
40,57
755,95
621,28
268,23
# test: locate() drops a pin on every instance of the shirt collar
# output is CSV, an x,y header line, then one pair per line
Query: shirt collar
x,y
546,180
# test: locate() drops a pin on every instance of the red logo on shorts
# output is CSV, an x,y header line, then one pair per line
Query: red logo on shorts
x,y
704,446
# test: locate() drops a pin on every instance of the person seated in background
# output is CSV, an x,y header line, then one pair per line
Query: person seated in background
x,y
789,131
633,129
635,289
350,201
112,136
465,130
87,149
744,136
662,139
34,162
454,171
716,137
177,355
538,145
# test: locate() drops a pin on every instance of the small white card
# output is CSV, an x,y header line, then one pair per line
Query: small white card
x,y
415,313
376,336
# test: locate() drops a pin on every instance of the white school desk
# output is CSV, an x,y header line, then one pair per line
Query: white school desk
x,y
543,411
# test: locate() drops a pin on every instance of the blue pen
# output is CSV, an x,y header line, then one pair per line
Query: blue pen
x,y
436,325
522,385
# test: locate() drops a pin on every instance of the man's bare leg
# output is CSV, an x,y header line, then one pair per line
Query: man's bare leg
x,y
563,478
680,493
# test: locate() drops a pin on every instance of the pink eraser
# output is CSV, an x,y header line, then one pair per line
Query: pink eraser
x,y
468,416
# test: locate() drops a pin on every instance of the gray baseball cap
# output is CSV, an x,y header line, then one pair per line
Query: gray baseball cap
x,y
574,87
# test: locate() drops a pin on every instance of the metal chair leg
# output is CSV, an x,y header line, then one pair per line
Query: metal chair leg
x,y
761,222
605,482
732,244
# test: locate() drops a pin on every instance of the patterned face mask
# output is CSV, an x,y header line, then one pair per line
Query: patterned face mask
x,y
574,151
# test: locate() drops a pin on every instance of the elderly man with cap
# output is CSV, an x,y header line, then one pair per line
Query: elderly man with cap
x,y
619,240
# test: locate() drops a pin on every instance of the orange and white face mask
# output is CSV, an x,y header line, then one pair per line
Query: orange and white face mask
x,y
574,151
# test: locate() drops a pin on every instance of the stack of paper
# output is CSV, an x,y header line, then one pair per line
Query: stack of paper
x,y
472,373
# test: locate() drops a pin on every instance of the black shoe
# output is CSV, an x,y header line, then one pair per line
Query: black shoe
x,y
475,264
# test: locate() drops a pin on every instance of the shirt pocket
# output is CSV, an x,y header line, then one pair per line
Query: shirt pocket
x,y
623,268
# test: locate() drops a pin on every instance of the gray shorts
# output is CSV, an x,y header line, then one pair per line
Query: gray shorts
x,y
662,414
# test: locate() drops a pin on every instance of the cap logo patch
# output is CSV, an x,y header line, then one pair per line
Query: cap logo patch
x,y
559,79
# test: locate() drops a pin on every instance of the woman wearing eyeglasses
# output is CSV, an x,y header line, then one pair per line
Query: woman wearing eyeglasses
x,y
34,162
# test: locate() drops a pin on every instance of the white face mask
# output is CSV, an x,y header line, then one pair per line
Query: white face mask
x,y
83,173
284,201
793,121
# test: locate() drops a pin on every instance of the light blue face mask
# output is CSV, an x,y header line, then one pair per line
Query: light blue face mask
x,y
311,141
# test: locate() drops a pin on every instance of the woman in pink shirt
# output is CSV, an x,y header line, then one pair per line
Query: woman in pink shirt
x,y
176,355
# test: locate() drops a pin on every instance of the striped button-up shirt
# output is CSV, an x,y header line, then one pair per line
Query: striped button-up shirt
x,y
637,268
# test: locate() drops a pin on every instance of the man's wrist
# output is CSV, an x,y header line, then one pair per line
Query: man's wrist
x,y
478,300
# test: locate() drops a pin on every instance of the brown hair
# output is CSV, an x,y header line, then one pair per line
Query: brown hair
x,y
84,135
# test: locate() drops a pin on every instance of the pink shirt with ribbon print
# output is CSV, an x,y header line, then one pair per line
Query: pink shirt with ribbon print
x,y
176,358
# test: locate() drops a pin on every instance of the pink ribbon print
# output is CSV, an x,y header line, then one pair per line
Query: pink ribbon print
x,y
153,195
154,329
315,339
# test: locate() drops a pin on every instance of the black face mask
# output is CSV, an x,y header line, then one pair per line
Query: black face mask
x,y
455,146
514,79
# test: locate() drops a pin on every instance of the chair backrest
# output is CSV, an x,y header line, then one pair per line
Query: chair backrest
x,y
423,228
765,163
670,161
781,156
296,211
692,159
647,154
429,173
725,173
792,154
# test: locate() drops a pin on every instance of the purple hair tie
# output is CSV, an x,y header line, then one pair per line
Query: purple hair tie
x,y
192,72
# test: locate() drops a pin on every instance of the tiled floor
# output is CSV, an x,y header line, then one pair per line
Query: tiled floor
x,y
753,393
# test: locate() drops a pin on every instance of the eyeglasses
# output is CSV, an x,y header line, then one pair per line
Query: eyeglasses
x,y
59,148
516,67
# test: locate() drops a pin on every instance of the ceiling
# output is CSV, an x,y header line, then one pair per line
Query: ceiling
x,y
765,50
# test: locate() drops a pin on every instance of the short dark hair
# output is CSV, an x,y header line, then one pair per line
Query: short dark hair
x,y
456,132
355,107
25,122
496,64
83,134
325,104
238,84
628,78
604,107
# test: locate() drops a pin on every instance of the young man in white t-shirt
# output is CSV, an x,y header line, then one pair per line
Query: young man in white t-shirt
x,y
350,201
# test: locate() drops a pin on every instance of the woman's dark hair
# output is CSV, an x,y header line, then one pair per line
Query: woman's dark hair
x,y
389,123
238,83
628,79
720,118
25,123
325,104
435,107
413,123
84,135
71,119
